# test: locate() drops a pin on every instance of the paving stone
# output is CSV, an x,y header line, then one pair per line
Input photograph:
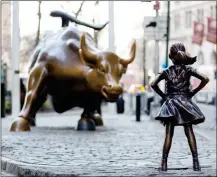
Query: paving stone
x,y
123,147
5,174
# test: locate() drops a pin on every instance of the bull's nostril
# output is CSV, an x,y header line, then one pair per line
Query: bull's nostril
x,y
119,89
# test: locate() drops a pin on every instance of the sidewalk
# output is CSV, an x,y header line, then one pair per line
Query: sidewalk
x,y
122,147
5,174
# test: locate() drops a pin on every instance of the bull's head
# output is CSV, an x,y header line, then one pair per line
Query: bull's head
x,y
106,69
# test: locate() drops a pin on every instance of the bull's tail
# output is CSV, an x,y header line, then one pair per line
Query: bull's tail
x,y
66,17
33,58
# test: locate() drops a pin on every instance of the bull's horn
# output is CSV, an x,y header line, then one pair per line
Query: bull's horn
x,y
88,55
132,55
66,17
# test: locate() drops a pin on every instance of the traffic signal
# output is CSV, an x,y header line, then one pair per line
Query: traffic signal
x,y
151,24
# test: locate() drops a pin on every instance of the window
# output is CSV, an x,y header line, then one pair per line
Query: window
x,y
188,19
200,15
213,11
177,21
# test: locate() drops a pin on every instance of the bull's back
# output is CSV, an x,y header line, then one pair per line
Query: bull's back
x,y
57,50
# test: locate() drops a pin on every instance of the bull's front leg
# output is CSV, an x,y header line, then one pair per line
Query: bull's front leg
x,y
97,116
86,122
36,92
40,102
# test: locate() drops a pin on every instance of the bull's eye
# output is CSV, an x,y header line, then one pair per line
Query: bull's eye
x,y
102,69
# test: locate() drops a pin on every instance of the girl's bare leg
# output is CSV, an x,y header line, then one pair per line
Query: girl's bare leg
x,y
167,145
193,146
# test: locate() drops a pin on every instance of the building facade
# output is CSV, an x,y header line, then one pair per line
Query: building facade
x,y
6,39
182,15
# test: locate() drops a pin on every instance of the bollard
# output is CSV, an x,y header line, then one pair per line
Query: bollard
x,y
120,105
138,107
2,100
131,103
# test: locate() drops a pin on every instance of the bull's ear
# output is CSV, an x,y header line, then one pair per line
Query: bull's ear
x,y
124,70
85,62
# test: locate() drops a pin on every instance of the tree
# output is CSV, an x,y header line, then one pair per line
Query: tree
x,y
96,33
79,10
39,23
76,13
26,48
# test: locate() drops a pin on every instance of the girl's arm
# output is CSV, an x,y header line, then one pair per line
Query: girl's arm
x,y
204,81
155,87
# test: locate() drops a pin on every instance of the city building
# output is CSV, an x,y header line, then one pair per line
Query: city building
x,y
6,37
182,15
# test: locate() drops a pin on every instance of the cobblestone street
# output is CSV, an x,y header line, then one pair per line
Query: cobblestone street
x,y
122,147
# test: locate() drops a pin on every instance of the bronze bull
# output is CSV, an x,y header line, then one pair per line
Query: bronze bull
x,y
74,74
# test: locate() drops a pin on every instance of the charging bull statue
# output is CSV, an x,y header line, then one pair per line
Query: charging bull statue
x,y
75,74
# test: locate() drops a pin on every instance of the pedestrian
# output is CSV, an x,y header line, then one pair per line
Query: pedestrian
x,y
178,109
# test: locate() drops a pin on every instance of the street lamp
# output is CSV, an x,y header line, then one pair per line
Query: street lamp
x,y
145,80
168,32
111,38
111,27
15,59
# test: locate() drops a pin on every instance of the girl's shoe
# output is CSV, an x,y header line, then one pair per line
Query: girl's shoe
x,y
164,163
196,164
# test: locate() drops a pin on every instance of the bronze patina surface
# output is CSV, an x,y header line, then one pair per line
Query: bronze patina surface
x,y
75,74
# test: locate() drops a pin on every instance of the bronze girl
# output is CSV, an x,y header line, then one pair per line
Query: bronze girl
x,y
178,108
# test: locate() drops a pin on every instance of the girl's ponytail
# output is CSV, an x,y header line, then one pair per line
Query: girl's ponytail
x,y
185,59
178,55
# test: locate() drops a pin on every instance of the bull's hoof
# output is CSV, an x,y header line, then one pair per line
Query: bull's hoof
x,y
97,119
86,124
20,124
32,122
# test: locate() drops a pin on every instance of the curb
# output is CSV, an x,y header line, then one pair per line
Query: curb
x,y
17,169
5,174
24,170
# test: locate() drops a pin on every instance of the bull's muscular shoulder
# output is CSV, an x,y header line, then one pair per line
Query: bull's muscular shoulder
x,y
58,37
60,41
70,33
69,36
72,37
60,44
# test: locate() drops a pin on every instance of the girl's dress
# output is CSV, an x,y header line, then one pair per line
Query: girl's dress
x,y
178,107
